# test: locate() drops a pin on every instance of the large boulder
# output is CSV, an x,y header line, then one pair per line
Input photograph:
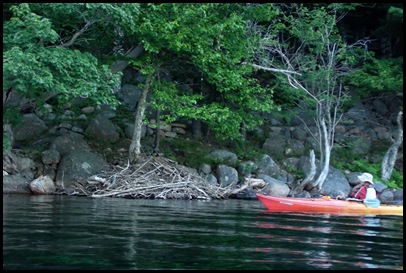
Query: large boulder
x,y
274,144
130,94
266,165
68,143
77,166
101,128
336,184
31,128
274,187
227,175
42,185
224,157
50,157
294,148
16,184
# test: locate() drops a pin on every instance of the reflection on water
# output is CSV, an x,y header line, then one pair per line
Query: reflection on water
x,y
338,241
61,232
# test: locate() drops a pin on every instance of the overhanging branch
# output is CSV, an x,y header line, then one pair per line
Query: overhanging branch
x,y
284,71
78,33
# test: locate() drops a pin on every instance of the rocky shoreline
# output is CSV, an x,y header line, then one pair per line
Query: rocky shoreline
x,y
67,140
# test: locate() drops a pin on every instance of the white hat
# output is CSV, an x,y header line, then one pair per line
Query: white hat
x,y
366,177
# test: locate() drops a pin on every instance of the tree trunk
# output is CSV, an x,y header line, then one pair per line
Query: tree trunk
x,y
389,159
197,129
243,131
309,177
135,146
157,132
325,162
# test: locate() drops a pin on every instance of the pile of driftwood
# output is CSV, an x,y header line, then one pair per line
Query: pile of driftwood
x,y
156,178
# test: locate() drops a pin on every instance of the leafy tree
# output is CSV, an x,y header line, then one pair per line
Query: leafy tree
x,y
212,39
377,76
37,65
56,49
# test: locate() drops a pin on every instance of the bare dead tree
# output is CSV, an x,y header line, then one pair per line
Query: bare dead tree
x,y
389,159
318,75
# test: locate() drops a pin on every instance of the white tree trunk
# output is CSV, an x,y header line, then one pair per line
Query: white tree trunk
x,y
389,159
135,146
310,175
325,162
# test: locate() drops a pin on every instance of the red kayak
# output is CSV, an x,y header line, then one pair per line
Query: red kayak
x,y
325,205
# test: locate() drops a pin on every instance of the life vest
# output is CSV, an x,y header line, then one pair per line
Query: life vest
x,y
360,193
364,193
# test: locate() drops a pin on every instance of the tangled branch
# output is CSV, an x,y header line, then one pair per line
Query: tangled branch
x,y
155,178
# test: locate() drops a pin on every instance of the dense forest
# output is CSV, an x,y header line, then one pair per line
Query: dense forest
x,y
239,61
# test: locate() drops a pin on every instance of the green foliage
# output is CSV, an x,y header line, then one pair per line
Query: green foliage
x,y
204,35
12,115
26,29
344,159
316,50
245,149
34,67
187,152
106,23
375,169
207,33
167,96
6,143
264,12
396,180
378,75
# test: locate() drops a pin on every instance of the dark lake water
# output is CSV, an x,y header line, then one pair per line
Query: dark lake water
x,y
65,232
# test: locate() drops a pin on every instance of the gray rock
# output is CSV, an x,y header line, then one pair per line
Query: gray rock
x,y
130,94
42,185
69,142
336,184
274,144
294,148
31,128
78,165
224,157
227,175
211,179
268,166
16,184
205,168
101,128
274,187
50,157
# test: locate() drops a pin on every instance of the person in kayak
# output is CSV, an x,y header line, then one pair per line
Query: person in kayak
x,y
364,190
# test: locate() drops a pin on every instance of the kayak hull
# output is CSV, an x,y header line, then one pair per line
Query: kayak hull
x,y
325,205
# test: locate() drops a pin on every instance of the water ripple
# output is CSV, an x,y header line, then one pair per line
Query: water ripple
x,y
60,232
